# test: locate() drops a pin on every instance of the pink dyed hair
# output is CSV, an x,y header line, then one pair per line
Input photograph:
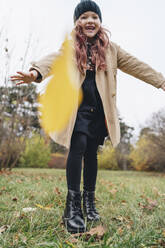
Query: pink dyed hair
x,y
98,49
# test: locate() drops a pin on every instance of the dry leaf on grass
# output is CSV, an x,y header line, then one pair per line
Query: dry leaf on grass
x,y
163,233
19,181
99,231
42,207
127,220
120,231
113,191
15,199
119,218
162,242
96,232
57,191
149,205
19,215
155,190
123,202
26,210
4,228
3,189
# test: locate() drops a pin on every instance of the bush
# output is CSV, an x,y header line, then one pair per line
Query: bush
x,y
10,150
37,153
147,156
107,158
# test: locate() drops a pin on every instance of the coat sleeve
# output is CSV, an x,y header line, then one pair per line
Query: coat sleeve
x,y
43,66
133,66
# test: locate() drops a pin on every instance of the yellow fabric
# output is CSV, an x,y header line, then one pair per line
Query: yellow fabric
x,y
62,95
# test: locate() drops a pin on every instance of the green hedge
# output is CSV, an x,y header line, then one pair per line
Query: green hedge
x,y
37,153
107,157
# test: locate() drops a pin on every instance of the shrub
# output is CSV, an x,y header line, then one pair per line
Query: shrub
x,y
147,156
37,153
10,150
107,157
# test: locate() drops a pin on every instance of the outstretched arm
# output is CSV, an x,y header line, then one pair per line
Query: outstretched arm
x,y
38,71
133,66
26,78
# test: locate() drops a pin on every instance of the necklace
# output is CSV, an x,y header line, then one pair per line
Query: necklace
x,y
90,64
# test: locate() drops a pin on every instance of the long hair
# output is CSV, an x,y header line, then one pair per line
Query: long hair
x,y
98,49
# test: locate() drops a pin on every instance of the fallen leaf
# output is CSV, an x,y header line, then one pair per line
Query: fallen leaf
x,y
157,192
123,202
110,184
42,207
143,196
15,199
149,204
113,191
4,228
119,218
128,226
162,242
57,191
26,210
19,215
3,189
163,233
120,231
97,232
19,181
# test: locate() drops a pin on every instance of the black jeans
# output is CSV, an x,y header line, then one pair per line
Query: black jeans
x,y
82,146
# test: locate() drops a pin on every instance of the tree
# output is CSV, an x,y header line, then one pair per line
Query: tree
x,y
117,158
124,147
149,151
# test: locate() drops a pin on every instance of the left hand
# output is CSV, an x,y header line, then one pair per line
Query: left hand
x,y
163,86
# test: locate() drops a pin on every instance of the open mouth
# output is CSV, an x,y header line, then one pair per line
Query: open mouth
x,y
90,28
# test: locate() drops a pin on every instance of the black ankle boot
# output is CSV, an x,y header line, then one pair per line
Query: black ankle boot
x,y
89,206
73,217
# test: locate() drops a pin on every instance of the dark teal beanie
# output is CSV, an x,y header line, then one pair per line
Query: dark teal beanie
x,y
84,6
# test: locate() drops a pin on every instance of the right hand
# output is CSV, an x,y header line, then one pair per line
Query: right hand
x,y
24,78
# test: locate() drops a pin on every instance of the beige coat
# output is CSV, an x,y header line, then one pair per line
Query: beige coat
x,y
116,58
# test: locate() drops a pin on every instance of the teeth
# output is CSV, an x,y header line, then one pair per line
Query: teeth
x,y
90,28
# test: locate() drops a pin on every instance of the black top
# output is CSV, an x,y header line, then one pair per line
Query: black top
x,y
90,116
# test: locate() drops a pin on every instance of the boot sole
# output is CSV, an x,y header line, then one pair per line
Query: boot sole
x,y
72,230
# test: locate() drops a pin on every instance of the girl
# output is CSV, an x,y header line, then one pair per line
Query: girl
x,y
97,59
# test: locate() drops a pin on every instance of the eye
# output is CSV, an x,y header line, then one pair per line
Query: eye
x,y
95,17
83,17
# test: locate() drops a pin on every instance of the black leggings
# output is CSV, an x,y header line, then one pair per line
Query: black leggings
x,y
82,146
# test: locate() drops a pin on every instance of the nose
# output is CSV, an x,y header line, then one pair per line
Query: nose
x,y
90,20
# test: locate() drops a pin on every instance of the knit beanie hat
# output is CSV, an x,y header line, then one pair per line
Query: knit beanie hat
x,y
84,6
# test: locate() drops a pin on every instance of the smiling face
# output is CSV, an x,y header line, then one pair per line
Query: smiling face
x,y
90,23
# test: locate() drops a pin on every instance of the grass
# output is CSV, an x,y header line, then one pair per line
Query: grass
x,y
131,204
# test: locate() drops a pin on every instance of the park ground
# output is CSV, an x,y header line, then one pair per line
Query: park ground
x,y
131,204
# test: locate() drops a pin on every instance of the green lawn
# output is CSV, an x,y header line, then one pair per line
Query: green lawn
x,y
131,204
